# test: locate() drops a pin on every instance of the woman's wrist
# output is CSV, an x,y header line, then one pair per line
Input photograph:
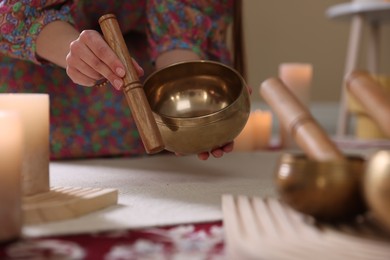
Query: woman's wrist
x,y
169,57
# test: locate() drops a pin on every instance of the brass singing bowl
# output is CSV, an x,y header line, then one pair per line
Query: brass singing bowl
x,y
377,186
330,191
197,105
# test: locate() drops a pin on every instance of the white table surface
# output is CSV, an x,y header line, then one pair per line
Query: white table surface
x,y
372,11
164,189
160,190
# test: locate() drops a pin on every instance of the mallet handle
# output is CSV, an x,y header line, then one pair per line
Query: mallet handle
x,y
297,119
133,89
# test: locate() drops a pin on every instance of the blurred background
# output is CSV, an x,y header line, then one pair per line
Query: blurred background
x,y
280,31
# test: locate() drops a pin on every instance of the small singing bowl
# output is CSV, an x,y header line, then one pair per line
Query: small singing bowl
x,y
197,105
377,186
329,191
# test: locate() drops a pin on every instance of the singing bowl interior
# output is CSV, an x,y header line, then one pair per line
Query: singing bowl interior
x,y
198,105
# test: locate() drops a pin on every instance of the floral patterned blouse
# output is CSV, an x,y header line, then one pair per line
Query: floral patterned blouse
x,y
96,122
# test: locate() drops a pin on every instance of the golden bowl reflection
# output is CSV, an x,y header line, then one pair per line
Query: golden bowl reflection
x,y
198,105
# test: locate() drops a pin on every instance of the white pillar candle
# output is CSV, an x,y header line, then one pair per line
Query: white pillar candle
x,y
11,148
245,140
256,133
262,129
34,113
297,77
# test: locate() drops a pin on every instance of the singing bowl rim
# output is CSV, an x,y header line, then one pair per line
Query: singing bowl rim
x,y
214,116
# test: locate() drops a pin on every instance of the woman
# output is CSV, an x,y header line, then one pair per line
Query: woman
x,y
55,47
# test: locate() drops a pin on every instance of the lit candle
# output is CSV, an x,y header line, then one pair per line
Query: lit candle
x,y
245,140
262,128
34,112
297,77
256,133
11,148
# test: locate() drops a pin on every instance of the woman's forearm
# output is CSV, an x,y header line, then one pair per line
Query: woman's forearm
x,y
54,40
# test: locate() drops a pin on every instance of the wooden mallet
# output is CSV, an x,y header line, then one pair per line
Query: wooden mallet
x,y
133,89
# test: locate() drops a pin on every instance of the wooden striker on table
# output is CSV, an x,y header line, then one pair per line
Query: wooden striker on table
x,y
133,88
308,134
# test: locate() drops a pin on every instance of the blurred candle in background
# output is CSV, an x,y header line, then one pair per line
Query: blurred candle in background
x,y
34,114
262,129
245,140
298,78
256,133
11,149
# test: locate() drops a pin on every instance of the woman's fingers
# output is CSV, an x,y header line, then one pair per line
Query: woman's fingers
x,y
203,156
80,78
250,90
102,58
139,69
78,70
227,148
90,59
218,152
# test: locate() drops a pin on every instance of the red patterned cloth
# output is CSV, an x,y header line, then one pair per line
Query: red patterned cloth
x,y
200,241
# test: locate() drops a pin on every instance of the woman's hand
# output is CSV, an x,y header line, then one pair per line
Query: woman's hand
x,y
91,59
217,153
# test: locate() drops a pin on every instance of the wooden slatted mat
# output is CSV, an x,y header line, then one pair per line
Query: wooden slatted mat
x,y
266,228
62,203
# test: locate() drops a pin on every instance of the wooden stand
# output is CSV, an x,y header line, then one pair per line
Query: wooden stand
x,y
62,203
361,15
